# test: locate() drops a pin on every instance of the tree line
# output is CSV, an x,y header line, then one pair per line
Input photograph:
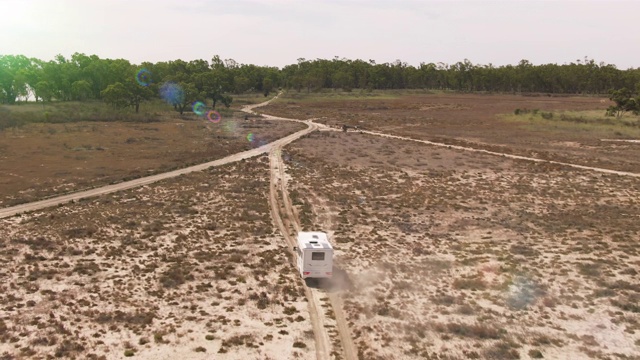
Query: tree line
x,y
582,77
121,83
117,81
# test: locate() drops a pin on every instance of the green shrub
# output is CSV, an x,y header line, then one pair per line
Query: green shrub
x,y
157,337
299,344
535,354
290,310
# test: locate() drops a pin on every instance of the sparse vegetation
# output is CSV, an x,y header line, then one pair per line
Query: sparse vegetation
x,y
473,242
535,354
137,269
440,253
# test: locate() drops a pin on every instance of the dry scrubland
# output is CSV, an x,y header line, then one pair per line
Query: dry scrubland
x,y
455,255
39,160
190,268
448,254
566,129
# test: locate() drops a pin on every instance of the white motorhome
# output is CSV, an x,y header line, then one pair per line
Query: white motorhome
x,y
314,255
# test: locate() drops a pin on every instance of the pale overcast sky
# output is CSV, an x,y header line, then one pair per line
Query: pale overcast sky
x,y
278,32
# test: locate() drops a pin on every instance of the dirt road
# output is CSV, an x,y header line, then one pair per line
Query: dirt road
x,y
322,342
288,222
285,216
280,202
505,155
54,201
38,205
509,156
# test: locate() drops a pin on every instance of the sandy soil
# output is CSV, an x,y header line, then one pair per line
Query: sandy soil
x,y
186,268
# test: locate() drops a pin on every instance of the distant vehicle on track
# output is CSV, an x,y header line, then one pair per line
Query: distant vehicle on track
x,y
314,255
346,127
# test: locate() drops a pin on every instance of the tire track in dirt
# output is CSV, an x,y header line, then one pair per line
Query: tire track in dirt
x,y
622,140
58,200
63,199
323,345
495,153
288,205
314,296
279,202
326,223
349,348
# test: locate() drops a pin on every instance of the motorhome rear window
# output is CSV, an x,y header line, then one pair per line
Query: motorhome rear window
x,y
317,256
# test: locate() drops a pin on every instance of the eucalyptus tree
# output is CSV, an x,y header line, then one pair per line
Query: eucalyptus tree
x,y
13,77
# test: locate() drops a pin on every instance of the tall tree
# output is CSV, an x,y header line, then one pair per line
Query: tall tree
x,y
42,90
130,93
116,95
625,102
81,90
13,77
137,93
188,95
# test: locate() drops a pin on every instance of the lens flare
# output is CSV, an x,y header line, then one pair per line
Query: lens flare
x,y
214,116
250,137
144,77
199,108
172,93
